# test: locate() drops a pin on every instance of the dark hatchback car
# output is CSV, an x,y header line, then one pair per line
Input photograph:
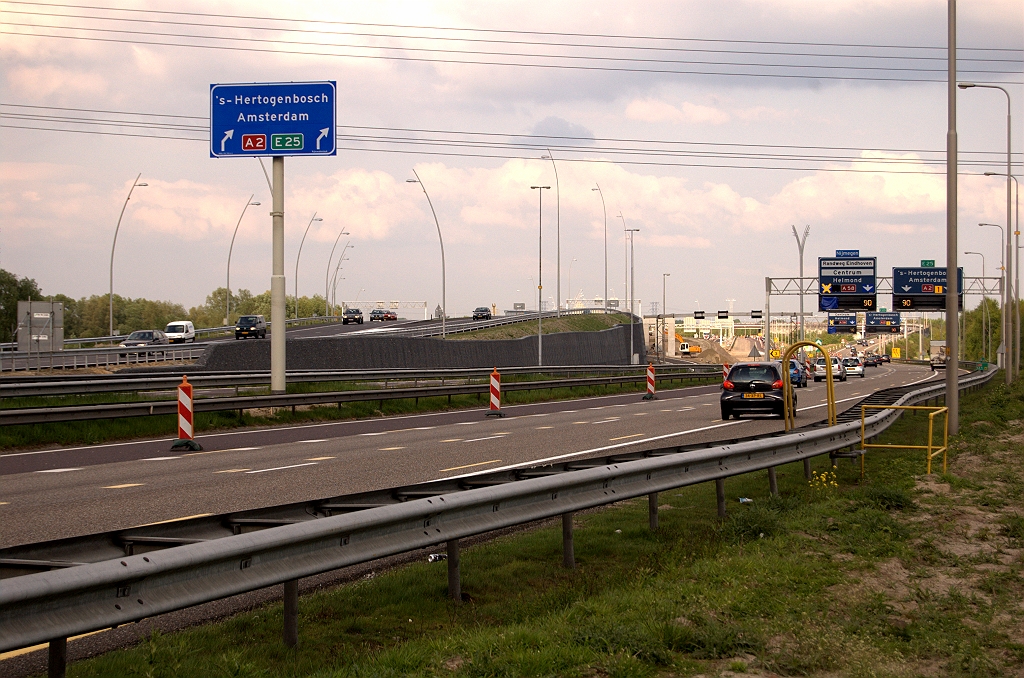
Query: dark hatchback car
x,y
144,338
481,313
378,314
352,315
251,326
754,388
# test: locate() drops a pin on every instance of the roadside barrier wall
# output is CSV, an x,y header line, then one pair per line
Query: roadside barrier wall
x,y
379,351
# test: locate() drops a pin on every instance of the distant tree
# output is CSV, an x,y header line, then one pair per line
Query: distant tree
x,y
13,290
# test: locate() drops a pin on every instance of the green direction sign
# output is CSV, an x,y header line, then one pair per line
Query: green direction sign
x,y
286,142
927,263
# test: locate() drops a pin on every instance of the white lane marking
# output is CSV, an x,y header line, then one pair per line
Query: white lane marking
x,y
811,407
604,448
378,433
240,449
643,414
59,470
635,435
606,421
481,463
281,468
687,409
544,414
123,486
475,440
159,458
390,449
452,440
233,470
422,428
543,428
466,423
314,440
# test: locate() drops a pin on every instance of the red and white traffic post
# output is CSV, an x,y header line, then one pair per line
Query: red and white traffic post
x,y
650,382
495,407
186,418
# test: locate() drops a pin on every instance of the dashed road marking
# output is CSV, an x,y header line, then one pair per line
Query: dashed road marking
x,y
466,423
159,458
314,440
639,414
476,440
544,428
378,433
606,421
635,435
59,470
281,468
581,422
390,449
319,458
122,486
233,470
240,449
480,463
452,440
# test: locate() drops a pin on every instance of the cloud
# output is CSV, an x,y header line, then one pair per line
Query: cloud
x,y
654,110
38,83
555,130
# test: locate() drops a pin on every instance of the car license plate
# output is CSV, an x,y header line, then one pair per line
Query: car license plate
x,y
753,395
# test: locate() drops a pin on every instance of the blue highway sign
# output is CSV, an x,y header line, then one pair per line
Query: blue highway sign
x,y
842,323
274,118
847,254
882,322
846,283
923,288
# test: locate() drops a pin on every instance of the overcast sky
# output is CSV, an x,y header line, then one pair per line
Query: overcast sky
x,y
714,178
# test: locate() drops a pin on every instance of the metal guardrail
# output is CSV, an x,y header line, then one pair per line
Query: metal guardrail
x,y
39,415
150,382
51,606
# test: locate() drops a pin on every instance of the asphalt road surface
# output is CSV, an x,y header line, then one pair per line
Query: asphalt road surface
x,y
51,494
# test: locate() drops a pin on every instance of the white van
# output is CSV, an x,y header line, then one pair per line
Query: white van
x,y
180,331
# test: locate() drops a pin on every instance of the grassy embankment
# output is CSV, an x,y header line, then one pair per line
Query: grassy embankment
x,y
589,322
904,575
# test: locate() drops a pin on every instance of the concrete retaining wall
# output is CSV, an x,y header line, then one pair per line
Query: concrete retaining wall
x,y
380,351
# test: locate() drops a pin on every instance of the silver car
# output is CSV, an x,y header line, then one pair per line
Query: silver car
x,y
854,367
838,370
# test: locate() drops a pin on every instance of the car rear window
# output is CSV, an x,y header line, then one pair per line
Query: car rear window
x,y
753,373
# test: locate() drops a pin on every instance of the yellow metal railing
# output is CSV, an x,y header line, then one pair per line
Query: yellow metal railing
x,y
933,449
787,385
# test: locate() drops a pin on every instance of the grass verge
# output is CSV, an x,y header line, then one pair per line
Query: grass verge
x,y
590,322
902,575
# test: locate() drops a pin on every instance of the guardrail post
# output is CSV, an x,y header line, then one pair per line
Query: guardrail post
x,y
291,613
57,659
807,469
720,495
568,553
454,578
773,483
652,510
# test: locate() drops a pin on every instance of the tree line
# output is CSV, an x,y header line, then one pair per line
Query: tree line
x,y
89,316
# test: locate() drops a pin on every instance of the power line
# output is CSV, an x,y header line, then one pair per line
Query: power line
x,y
503,31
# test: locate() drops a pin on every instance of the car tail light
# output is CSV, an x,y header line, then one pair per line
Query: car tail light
x,y
728,385
777,384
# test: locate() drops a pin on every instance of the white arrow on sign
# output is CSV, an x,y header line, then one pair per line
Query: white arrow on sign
x,y
906,288
227,135
323,133
868,288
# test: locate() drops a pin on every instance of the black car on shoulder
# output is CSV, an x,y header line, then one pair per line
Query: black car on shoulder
x,y
251,326
352,315
481,313
754,388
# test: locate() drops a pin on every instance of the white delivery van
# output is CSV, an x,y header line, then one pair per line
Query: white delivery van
x,y
180,331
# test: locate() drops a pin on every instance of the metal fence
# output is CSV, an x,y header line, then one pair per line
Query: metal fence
x,y
51,606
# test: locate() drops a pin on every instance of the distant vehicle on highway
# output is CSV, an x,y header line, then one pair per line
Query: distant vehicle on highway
x,y
797,374
885,358
482,313
872,360
144,338
180,331
390,315
838,371
352,315
251,326
754,388
854,367
378,314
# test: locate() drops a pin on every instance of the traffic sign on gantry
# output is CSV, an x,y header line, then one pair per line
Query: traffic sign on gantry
x,y
846,283
842,323
923,288
882,323
273,118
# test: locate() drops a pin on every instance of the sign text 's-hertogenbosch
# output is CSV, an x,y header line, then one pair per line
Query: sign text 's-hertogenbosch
x,y
254,119
923,288
882,322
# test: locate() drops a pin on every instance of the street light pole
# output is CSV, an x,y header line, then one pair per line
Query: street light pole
x,y
570,282
444,304
540,269
327,275
1015,314
558,238
227,301
800,242
314,218
984,312
605,211
334,278
632,289
118,228
1003,301
1007,323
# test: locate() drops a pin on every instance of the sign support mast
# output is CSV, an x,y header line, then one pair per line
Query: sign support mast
x,y
277,288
